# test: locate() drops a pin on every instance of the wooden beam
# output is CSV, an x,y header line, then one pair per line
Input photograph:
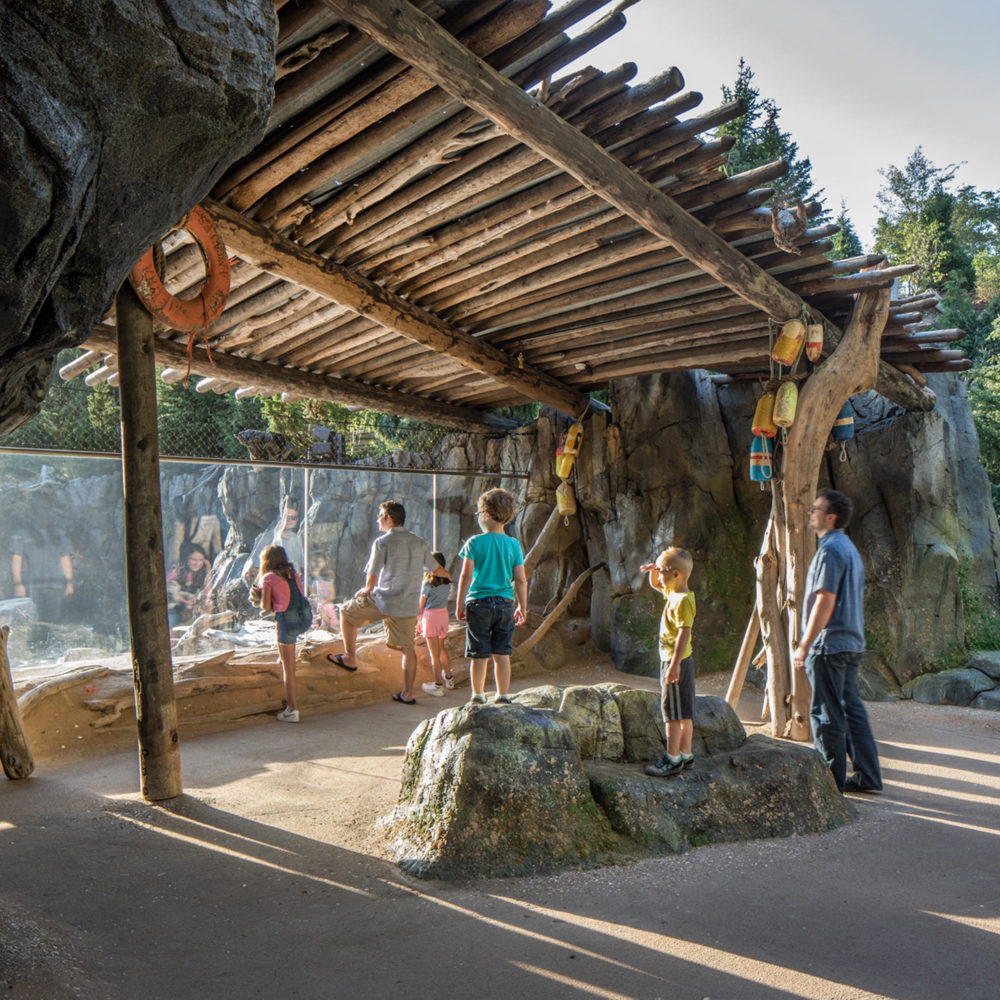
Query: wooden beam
x,y
145,575
264,249
275,379
412,35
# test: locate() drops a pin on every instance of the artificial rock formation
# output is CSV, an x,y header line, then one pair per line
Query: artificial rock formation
x,y
102,102
555,780
671,468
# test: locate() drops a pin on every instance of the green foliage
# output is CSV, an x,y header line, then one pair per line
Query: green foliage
x,y
760,140
982,623
845,243
200,424
926,224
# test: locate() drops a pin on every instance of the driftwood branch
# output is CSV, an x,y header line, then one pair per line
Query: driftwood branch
x,y
556,613
14,752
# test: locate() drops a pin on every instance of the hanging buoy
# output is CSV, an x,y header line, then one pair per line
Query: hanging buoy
x,y
566,453
760,460
785,401
789,343
814,341
843,426
187,315
565,499
763,417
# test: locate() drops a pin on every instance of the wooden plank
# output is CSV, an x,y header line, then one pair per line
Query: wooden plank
x,y
286,259
275,379
411,35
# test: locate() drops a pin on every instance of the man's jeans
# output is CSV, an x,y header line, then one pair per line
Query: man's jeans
x,y
839,721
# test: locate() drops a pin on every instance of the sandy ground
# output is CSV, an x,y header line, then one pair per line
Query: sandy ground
x,y
268,879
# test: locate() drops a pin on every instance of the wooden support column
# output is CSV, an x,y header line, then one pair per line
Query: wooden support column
x,y
418,39
14,752
145,577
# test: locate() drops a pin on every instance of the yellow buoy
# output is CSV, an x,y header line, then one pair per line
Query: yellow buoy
x,y
785,402
789,342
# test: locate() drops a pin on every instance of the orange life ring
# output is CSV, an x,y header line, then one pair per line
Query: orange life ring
x,y
187,315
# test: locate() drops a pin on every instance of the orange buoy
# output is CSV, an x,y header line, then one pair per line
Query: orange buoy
x,y
187,315
763,417
814,341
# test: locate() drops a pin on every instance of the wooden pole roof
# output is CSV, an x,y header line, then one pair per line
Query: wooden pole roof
x,y
438,223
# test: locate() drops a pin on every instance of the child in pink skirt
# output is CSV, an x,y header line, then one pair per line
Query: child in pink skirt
x,y
432,623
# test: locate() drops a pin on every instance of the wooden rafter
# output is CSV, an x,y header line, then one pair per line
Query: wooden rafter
x,y
275,379
418,39
264,249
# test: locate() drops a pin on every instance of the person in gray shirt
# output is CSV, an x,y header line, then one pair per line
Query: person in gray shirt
x,y
831,646
391,593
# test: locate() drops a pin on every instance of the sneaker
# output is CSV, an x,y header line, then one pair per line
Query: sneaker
x,y
449,682
501,699
664,767
288,715
478,699
688,760
434,689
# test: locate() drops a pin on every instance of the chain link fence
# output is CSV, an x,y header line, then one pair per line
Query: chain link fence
x,y
83,418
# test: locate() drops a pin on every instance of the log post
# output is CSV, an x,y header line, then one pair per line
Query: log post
x,y
743,660
152,671
14,752
772,624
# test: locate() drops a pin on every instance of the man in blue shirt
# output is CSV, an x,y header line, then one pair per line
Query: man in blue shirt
x,y
831,646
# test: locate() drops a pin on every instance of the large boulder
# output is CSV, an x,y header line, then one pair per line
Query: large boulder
x,y
117,118
555,780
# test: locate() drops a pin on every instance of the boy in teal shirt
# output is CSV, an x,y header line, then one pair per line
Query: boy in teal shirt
x,y
492,567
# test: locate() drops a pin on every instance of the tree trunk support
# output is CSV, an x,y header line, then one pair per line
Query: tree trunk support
x,y
852,368
14,751
152,671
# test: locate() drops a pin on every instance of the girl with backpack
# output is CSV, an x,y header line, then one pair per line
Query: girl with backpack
x,y
279,589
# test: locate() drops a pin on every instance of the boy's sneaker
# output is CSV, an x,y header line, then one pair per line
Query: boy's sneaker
x,y
434,689
449,682
501,699
478,699
688,759
664,767
288,715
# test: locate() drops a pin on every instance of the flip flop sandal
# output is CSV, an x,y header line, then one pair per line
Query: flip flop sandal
x,y
404,701
338,660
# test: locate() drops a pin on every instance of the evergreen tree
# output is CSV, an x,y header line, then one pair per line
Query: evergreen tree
x,y
760,140
845,243
916,224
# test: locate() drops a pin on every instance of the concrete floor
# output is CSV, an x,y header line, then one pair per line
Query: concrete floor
x,y
267,879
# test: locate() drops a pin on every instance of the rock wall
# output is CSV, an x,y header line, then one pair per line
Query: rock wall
x,y
117,118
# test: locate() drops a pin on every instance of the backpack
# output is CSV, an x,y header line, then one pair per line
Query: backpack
x,y
299,610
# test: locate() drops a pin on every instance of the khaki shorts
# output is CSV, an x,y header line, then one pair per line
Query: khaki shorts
x,y
361,610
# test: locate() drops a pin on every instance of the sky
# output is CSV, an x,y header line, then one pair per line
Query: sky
x,y
860,84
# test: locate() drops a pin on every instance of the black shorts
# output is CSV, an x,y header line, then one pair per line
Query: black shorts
x,y
677,700
489,627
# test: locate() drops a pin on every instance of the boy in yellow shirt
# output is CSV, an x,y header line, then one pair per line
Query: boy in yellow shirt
x,y
669,575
